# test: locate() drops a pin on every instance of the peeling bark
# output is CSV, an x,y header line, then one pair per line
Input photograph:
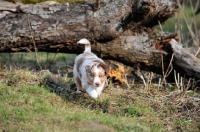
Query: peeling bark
x,y
54,23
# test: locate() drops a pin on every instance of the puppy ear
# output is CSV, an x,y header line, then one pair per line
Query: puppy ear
x,y
105,67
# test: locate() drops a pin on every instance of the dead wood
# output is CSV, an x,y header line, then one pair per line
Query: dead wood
x,y
117,72
185,60
55,25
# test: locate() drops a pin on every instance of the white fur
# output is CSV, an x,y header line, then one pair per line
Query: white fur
x,y
96,78
86,43
80,73
92,92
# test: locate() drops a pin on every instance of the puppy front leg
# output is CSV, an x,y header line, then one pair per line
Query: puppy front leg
x,y
78,84
100,88
92,92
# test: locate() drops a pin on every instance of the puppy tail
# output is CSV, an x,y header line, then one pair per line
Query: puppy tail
x,y
86,42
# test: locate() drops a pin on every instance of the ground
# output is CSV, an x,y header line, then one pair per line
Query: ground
x,y
40,100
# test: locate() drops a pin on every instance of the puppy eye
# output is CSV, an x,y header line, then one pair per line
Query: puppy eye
x,y
101,76
91,75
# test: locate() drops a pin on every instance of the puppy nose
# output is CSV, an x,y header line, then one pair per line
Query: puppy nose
x,y
97,83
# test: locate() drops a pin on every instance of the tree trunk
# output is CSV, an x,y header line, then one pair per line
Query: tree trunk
x,y
121,30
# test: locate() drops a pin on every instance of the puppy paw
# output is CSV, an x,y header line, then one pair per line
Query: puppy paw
x,y
78,92
93,95
92,92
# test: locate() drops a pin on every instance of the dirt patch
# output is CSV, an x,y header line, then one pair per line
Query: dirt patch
x,y
97,127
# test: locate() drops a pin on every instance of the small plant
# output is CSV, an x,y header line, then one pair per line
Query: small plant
x,y
131,112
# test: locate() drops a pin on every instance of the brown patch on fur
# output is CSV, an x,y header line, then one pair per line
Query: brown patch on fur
x,y
105,67
90,75
117,72
102,76
79,85
80,61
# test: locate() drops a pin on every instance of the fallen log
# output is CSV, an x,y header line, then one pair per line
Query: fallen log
x,y
57,25
189,63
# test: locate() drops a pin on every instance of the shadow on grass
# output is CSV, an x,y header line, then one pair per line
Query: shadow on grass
x,y
66,89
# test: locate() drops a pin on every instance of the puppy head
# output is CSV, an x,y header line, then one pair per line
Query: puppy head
x,y
97,73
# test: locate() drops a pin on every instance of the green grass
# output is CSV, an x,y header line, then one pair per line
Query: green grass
x,y
35,108
54,62
42,101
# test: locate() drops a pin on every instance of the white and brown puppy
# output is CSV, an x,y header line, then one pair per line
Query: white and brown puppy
x,y
90,72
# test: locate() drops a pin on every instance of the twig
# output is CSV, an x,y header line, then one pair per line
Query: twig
x,y
150,80
53,58
193,83
163,71
151,76
97,4
160,26
148,85
127,82
181,84
143,80
34,45
57,49
194,38
184,91
64,66
169,68
179,81
159,83
197,51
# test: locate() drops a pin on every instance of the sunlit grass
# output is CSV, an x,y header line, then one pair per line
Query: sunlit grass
x,y
33,101
29,106
36,108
